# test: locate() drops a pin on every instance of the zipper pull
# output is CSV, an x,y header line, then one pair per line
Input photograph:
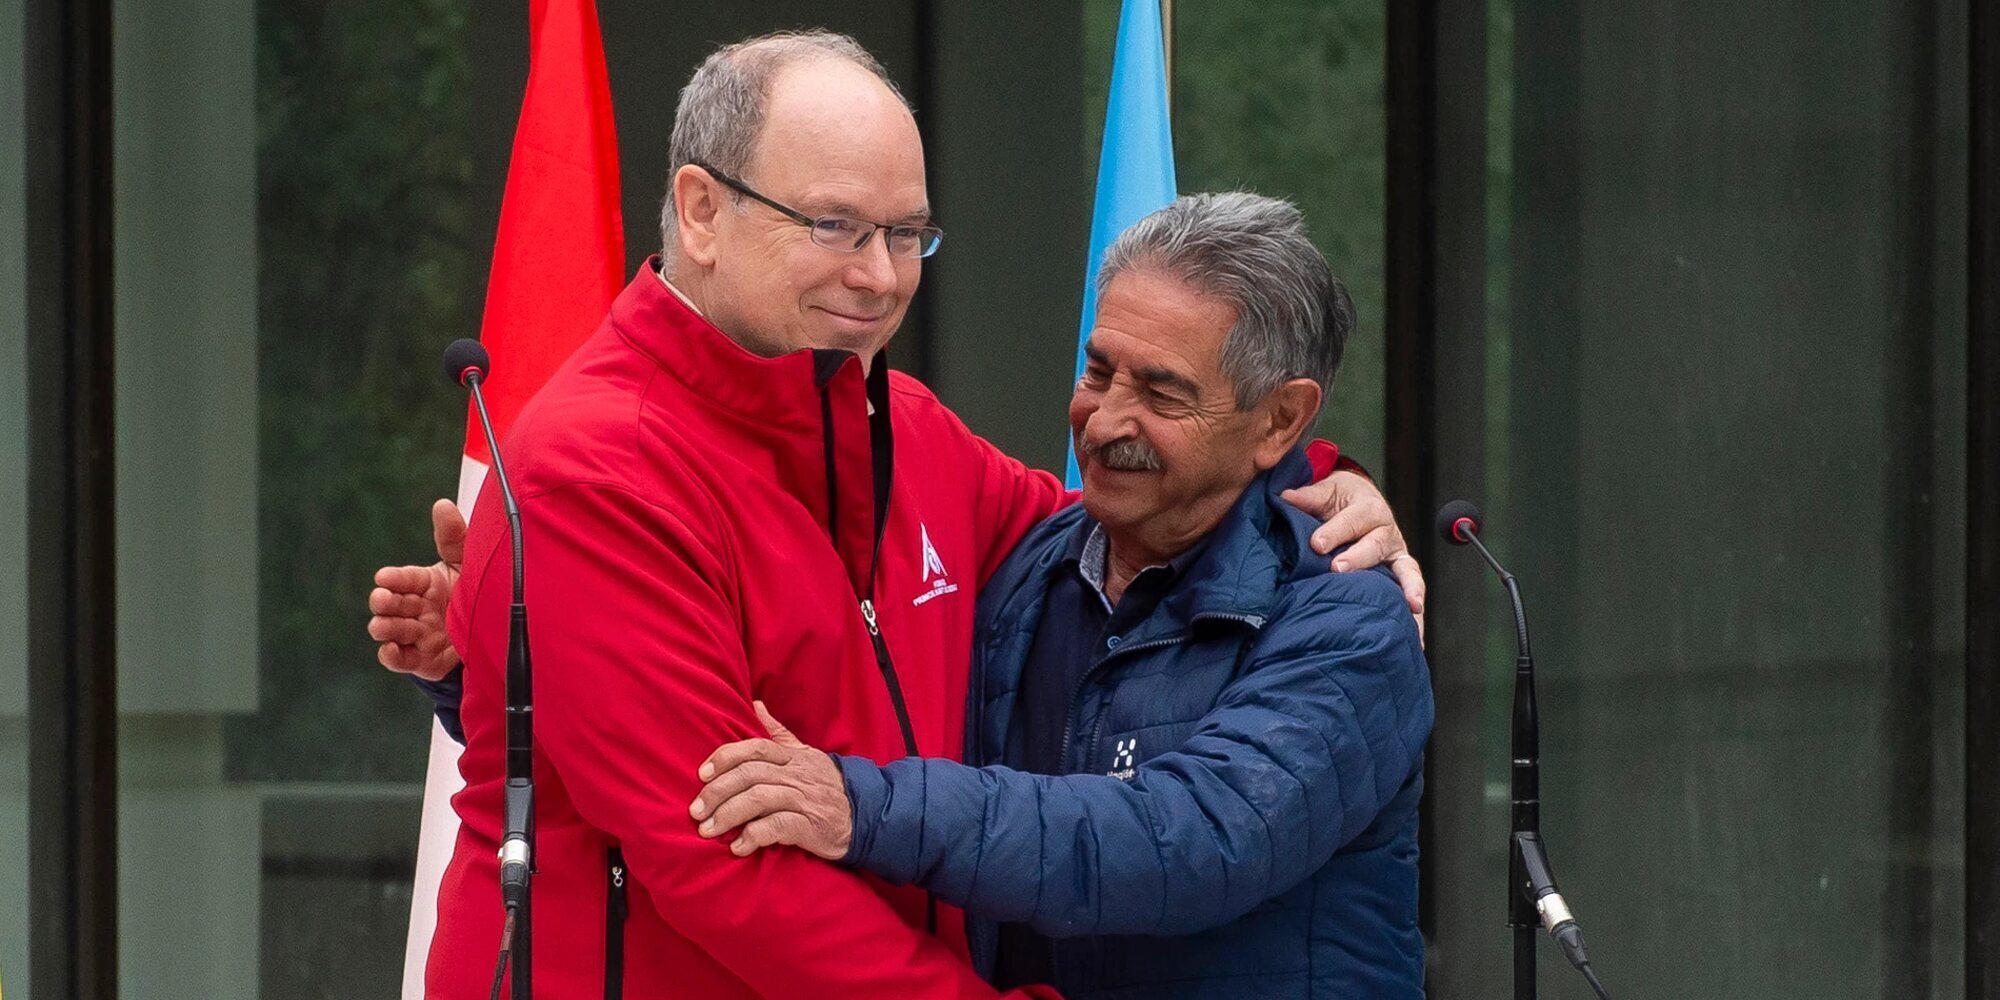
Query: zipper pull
x,y
868,615
617,908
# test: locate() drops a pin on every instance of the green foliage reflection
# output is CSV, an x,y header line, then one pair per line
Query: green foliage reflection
x,y
367,267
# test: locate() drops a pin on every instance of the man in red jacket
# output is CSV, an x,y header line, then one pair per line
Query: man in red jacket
x,y
714,516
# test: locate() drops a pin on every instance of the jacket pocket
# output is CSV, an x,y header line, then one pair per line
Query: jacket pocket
x,y
615,909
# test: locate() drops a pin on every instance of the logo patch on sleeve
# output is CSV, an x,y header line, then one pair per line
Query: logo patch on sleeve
x,y
1121,759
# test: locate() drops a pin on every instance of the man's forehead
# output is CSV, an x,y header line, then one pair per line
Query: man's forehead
x,y
828,104
835,196
838,142
1142,316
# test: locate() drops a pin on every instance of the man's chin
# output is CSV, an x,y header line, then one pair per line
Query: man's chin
x,y
1110,507
1113,495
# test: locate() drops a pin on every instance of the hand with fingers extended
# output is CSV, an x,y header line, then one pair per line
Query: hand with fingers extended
x,y
1353,510
408,603
777,791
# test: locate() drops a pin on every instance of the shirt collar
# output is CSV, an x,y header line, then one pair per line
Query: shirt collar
x,y
1090,552
662,275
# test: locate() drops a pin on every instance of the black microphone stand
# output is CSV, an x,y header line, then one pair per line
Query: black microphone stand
x,y
517,845
1525,797
1532,896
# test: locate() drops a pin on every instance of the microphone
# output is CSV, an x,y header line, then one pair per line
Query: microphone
x,y
466,363
1532,893
1458,521
466,360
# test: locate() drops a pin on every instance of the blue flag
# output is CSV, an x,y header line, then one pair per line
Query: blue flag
x,y
1135,171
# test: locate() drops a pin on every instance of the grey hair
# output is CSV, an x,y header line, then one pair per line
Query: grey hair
x,y
721,109
1292,315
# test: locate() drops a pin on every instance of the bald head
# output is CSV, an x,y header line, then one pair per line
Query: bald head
x,y
821,108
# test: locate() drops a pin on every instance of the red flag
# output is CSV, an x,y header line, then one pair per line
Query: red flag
x,y
559,257
558,261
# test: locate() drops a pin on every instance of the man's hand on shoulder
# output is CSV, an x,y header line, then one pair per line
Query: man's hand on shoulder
x,y
1351,509
408,603
778,791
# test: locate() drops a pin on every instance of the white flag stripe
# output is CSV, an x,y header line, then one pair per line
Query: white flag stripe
x,y
434,842
439,832
471,476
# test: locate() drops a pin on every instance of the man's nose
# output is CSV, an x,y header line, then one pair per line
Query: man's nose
x,y
873,268
1111,419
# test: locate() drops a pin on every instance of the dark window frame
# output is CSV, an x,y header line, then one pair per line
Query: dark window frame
x,y
1982,513
72,694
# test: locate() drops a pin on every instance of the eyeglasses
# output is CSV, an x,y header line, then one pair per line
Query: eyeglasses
x,y
838,232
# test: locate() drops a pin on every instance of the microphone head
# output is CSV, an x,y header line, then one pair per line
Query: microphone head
x,y
465,355
1458,521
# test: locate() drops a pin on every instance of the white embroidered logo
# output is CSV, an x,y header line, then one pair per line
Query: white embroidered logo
x,y
932,564
1121,760
933,567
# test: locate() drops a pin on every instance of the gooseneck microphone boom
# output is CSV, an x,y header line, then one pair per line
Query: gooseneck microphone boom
x,y
466,363
1532,896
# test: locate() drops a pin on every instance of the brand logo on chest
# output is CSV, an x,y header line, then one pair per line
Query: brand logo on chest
x,y
937,582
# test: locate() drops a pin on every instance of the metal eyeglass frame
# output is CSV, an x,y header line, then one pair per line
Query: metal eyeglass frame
x,y
928,238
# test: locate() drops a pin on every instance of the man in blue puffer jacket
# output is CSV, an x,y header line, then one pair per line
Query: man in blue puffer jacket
x,y
1194,755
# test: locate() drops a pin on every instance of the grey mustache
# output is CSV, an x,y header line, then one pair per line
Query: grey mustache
x,y
1126,455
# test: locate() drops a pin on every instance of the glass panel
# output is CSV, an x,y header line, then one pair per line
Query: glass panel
x,y
13,514
1725,417
1012,178
293,244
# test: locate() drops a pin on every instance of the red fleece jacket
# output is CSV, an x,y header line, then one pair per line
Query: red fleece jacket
x,y
699,530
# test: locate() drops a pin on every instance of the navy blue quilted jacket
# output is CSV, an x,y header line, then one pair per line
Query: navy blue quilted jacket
x,y
1241,816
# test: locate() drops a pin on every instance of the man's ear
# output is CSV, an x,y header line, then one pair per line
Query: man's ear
x,y
1283,418
698,202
